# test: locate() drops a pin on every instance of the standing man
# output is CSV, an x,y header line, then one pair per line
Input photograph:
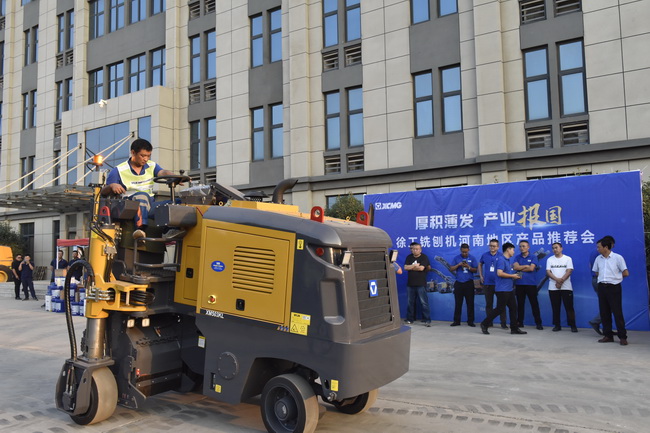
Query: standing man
x,y
58,263
26,269
464,265
134,177
611,270
14,269
417,265
595,322
78,273
487,270
559,268
504,290
528,265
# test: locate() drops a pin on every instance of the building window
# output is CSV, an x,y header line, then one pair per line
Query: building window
x,y
275,18
158,67
211,141
277,147
211,55
27,232
27,172
60,92
137,73
2,58
157,6
99,139
451,99
96,18
195,145
96,86
537,84
29,109
572,78
333,120
31,45
352,20
72,159
116,80
420,11
567,6
447,7
67,98
138,10
330,22
56,172
195,59
257,115
117,14
257,41
355,117
423,90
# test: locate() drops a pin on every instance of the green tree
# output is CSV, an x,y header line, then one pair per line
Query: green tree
x,y
345,207
11,238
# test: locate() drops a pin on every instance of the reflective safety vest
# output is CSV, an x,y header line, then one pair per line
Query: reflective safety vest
x,y
133,182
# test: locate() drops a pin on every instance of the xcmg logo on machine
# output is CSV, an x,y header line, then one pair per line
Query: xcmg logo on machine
x,y
388,206
212,313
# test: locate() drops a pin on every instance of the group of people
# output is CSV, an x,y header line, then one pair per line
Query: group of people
x,y
23,271
513,278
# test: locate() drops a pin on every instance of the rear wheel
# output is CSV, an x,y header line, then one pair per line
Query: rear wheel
x,y
5,274
103,398
358,404
289,405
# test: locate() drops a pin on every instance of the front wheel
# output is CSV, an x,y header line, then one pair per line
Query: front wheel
x,y
358,404
289,405
103,398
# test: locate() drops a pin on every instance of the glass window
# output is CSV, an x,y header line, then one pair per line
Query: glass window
x,y
451,99
211,60
447,7
144,127
355,117
331,22
2,58
423,90
116,80
211,142
96,85
258,133
420,11
56,172
158,67
60,26
536,82
138,10
257,44
157,6
117,14
67,100
96,18
572,78
277,148
99,139
195,145
72,158
195,62
70,29
276,35
59,99
333,120
352,20
137,73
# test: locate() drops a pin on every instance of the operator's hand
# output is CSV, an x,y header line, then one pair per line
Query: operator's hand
x,y
116,188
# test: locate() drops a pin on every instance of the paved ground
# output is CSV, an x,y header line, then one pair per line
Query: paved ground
x,y
460,381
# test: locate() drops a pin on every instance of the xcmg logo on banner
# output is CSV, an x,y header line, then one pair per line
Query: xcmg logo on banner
x,y
575,211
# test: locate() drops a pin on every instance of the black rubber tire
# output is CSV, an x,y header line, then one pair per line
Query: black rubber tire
x,y
358,404
289,405
103,398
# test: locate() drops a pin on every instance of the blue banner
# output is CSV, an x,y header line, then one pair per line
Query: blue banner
x,y
575,211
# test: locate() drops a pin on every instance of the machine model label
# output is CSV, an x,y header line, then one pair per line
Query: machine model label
x,y
201,341
299,323
300,244
218,266
212,313
334,385
372,285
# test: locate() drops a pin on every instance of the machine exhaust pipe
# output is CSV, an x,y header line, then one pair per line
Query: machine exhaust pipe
x,y
278,192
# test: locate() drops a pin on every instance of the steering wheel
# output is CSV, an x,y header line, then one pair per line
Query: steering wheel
x,y
171,180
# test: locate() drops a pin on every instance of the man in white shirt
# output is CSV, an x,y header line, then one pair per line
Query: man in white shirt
x,y
611,269
559,268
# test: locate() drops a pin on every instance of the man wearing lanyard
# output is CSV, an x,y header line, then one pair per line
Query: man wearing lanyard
x,y
464,265
488,273
528,265
611,269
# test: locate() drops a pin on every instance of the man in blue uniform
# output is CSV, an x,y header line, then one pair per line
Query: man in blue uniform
x,y
504,290
528,265
487,271
464,265
134,178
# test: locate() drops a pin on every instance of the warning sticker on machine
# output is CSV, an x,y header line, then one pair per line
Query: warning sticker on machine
x,y
299,323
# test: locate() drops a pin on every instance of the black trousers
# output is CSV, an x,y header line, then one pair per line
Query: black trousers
x,y
488,291
610,301
522,292
504,299
17,284
559,297
464,291
28,286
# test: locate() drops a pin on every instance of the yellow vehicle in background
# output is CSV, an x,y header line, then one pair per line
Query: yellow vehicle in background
x,y
6,258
